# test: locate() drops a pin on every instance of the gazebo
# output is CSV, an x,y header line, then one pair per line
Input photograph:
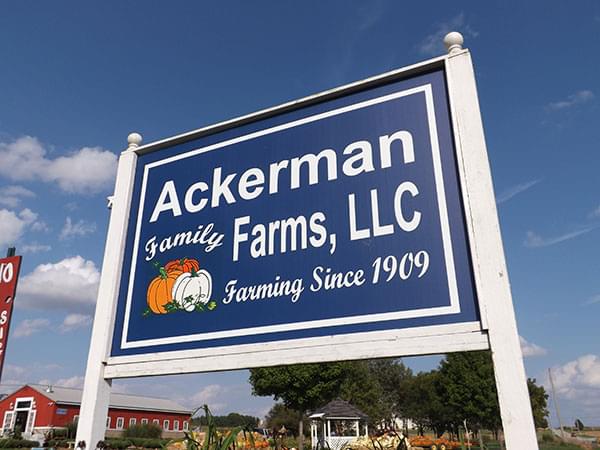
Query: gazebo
x,y
336,424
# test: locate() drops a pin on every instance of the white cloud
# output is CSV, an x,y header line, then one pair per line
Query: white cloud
x,y
433,44
28,216
80,228
70,284
576,377
210,395
31,326
11,196
13,225
534,240
531,349
34,247
578,98
14,376
72,382
193,390
509,193
11,228
14,371
87,170
577,386
74,321
592,300
595,213
370,14
39,226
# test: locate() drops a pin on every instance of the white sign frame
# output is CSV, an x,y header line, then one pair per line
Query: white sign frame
x,y
496,331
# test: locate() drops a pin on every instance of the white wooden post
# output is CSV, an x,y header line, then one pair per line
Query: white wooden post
x,y
96,389
491,277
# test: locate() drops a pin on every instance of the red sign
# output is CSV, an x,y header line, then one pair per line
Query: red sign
x,y
9,273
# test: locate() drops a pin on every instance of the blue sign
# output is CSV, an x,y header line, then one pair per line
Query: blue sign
x,y
340,217
61,411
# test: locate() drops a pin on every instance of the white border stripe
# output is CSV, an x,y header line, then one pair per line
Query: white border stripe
x,y
441,196
454,306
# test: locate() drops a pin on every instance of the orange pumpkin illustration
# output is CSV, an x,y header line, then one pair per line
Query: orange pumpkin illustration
x,y
160,290
183,264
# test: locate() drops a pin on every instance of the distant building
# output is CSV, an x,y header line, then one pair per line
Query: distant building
x,y
37,409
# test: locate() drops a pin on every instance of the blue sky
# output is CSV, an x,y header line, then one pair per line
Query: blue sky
x,y
76,79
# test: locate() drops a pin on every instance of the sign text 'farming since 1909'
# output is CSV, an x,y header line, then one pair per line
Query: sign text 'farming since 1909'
x,y
340,217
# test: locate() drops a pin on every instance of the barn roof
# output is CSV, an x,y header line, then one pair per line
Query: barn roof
x,y
338,409
72,396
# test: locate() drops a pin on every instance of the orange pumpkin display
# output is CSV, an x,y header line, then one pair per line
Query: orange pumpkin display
x,y
160,290
183,264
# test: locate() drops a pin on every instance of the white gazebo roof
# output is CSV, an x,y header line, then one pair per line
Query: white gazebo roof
x,y
338,409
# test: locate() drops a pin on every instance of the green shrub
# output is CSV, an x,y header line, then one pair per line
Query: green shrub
x,y
547,436
118,443
58,433
145,430
149,442
18,443
157,443
71,430
121,443
16,433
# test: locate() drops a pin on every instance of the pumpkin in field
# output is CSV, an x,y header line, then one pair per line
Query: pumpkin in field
x,y
160,290
191,289
183,264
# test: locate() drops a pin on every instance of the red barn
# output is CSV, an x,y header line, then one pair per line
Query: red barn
x,y
36,409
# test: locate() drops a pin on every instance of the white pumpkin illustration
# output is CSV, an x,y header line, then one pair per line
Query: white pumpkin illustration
x,y
192,289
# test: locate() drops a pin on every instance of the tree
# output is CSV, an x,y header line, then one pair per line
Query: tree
x,y
539,403
228,421
374,386
361,388
468,387
424,404
282,416
377,387
393,378
301,386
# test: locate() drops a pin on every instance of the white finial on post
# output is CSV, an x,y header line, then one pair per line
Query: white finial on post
x,y
134,140
453,42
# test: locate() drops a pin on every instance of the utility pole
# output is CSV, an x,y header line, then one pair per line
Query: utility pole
x,y
562,431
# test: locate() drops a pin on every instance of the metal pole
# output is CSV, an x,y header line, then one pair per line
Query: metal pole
x,y
555,401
